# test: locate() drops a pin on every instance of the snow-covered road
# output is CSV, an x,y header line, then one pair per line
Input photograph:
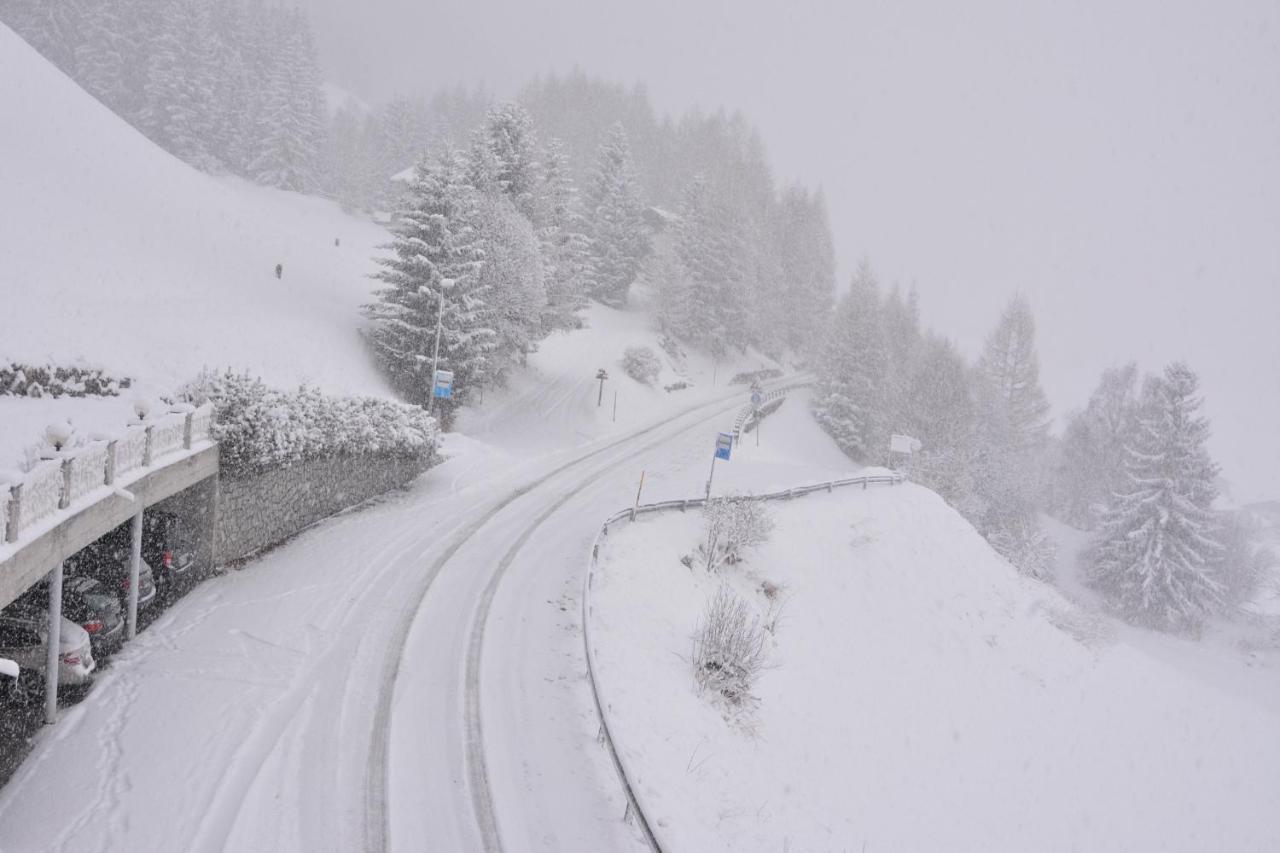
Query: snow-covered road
x,y
407,676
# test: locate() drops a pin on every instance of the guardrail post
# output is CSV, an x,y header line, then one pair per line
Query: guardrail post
x,y
187,427
146,450
64,499
15,512
109,475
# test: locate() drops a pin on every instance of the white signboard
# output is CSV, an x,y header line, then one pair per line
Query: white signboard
x,y
903,444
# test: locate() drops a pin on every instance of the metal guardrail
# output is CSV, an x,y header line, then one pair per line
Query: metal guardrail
x,y
625,774
744,415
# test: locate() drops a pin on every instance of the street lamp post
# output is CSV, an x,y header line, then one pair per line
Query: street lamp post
x,y
435,356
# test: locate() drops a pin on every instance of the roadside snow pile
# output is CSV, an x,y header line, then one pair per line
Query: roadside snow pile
x,y
921,695
117,253
259,427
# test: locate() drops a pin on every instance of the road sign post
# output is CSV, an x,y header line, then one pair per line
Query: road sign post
x,y
724,448
602,375
756,399
442,386
435,355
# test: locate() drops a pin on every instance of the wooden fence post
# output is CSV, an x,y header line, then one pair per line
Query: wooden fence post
x,y
186,430
146,451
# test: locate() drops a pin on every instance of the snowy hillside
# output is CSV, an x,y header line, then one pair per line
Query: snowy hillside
x,y
120,255
923,696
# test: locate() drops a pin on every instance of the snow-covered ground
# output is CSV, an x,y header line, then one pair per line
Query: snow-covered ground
x,y
117,255
923,696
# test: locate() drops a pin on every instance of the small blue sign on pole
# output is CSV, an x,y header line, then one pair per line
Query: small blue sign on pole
x,y
724,445
756,398
443,386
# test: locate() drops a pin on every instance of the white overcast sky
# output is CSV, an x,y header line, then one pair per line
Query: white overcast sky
x,y
1117,162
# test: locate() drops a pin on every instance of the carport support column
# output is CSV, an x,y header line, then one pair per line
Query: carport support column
x,y
135,564
54,646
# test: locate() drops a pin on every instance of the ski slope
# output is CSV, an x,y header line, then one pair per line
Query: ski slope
x,y
118,255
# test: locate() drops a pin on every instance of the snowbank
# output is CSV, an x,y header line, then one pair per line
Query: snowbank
x,y
925,697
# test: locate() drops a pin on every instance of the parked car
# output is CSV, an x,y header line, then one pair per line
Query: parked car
x,y
87,603
168,557
169,546
108,560
24,637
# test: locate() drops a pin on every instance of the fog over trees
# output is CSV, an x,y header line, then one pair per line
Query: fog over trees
x,y
510,215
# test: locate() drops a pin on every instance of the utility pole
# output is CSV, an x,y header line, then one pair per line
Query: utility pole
x,y
615,406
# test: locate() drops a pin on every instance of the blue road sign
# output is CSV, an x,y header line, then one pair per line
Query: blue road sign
x,y
724,445
443,385
756,398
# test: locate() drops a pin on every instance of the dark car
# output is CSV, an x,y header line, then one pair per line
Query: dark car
x,y
87,603
108,561
169,547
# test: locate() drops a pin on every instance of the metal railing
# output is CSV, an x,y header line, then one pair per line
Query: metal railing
x,y
746,413
626,774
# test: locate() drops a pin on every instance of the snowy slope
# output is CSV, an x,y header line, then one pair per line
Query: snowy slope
x,y
923,696
119,254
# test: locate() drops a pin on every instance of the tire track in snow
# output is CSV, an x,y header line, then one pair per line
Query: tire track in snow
x,y
377,836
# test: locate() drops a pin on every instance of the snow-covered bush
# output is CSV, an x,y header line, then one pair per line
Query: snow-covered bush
x,y
755,376
260,427
40,380
733,524
728,648
1242,565
641,364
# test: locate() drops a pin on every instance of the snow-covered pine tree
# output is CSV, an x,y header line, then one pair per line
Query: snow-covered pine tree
x,y
435,267
512,279
1012,428
1090,467
619,238
563,237
711,252
290,129
1156,546
807,266
849,399
509,137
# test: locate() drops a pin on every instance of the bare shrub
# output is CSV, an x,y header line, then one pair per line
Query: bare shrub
x,y
641,364
734,524
728,648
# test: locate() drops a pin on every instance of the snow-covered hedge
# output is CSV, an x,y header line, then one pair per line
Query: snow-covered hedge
x,y
41,380
641,364
260,427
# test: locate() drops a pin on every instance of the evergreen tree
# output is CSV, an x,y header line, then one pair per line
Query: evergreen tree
x,y
512,279
849,400
807,266
509,138
563,237
1091,464
1012,429
711,252
615,216
1156,546
433,276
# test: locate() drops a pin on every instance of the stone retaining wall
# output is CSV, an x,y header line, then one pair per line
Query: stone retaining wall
x,y
261,510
